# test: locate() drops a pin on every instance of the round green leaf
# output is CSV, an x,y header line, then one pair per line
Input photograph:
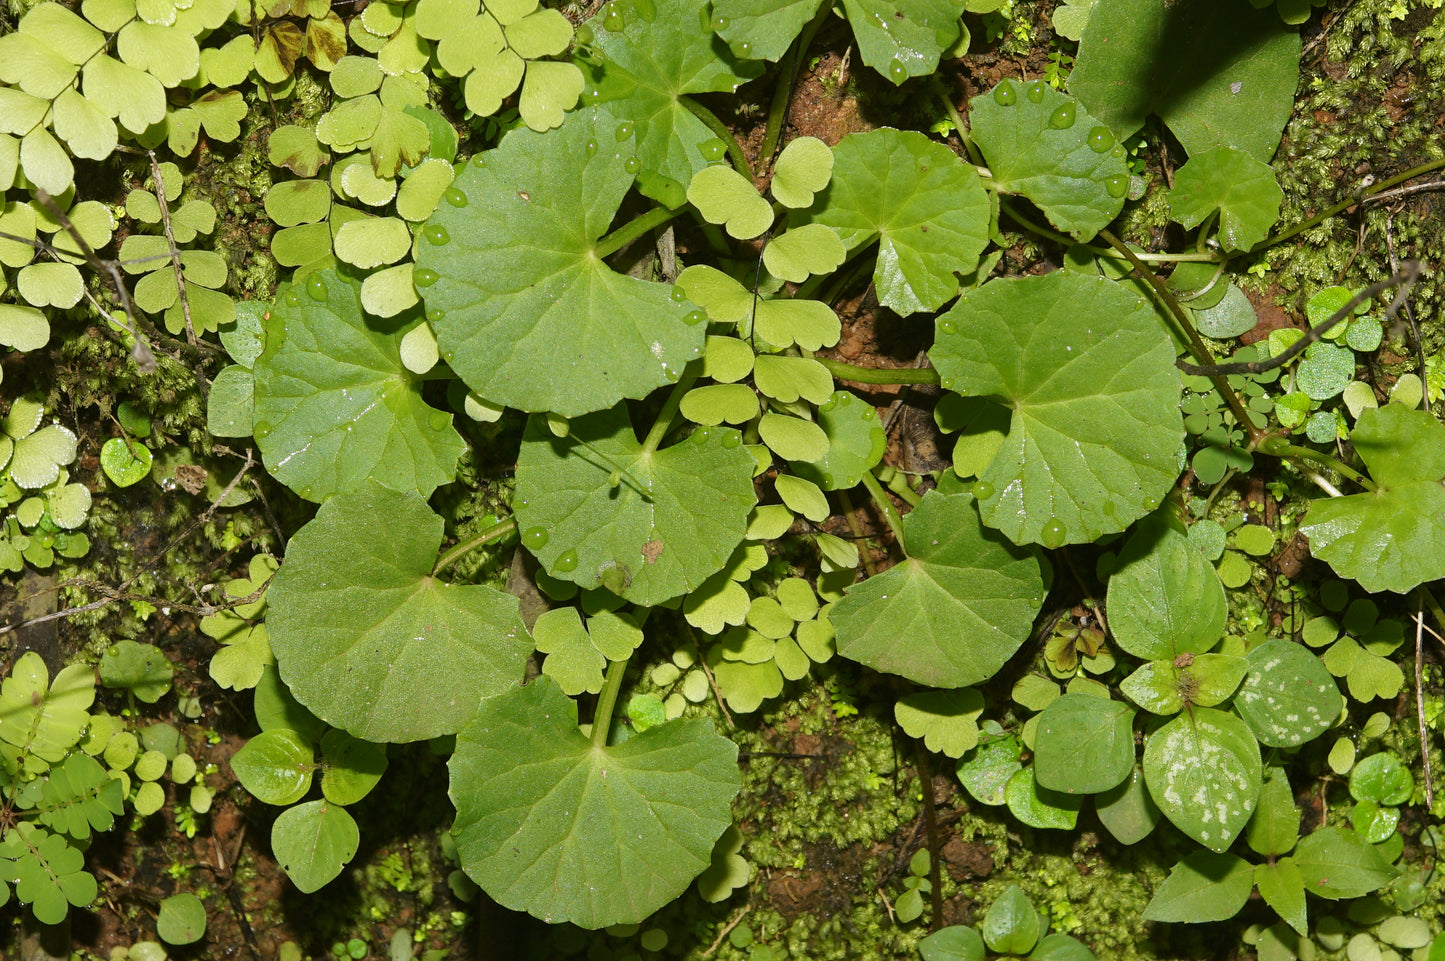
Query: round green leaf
x,y
1165,598
954,611
724,196
1383,778
182,919
855,443
925,206
1203,770
661,521
1084,744
557,329
946,720
275,766
369,640
334,404
1088,370
591,835
803,168
1011,926
1045,146
350,767
313,842
1232,316
142,669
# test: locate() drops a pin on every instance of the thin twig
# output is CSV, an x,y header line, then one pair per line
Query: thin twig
x,y
727,929
1404,192
1420,704
175,251
1409,311
1410,270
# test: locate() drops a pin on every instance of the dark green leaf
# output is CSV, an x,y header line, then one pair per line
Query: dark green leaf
x,y
1084,744
1203,887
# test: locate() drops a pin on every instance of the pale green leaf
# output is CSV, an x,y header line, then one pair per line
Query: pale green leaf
x,y
803,251
549,90
313,841
373,241
45,161
723,196
169,54
803,168
1204,771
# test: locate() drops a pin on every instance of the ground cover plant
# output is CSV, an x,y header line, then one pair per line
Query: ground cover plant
x,y
707,528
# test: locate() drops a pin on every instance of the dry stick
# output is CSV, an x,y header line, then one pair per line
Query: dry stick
x,y
140,352
930,821
1410,270
1409,311
1404,192
707,672
175,251
113,594
1420,703
727,929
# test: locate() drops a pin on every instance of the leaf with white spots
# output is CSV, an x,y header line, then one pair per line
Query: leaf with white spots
x,y
1203,770
1287,697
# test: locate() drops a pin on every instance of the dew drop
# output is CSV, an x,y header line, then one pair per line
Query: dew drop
x,y
946,383
306,492
693,317
590,96
1117,185
591,147
1118,151
946,326
439,420
732,439
828,404
677,295
700,437
1035,91
827,481
632,165
671,375
424,277
745,50
897,72
719,24
316,288
625,130
292,298
435,314
566,562
869,414
455,197
1063,116
1005,95
713,149
612,21
1100,139
261,430
982,490
1052,536
1151,503
436,235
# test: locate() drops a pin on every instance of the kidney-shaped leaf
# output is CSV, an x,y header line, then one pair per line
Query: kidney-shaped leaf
x,y
646,525
1087,368
530,316
1220,74
650,62
1045,146
1204,771
926,207
1165,598
1393,538
551,824
1232,182
335,407
369,640
954,611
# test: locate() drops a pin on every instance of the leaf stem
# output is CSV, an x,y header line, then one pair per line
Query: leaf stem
x,y
1296,452
958,123
720,130
783,94
495,532
607,702
1358,196
1197,346
660,427
633,229
886,508
879,375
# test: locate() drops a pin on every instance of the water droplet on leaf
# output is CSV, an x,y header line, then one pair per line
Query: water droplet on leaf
x,y
439,419
677,295
693,317
566,562
591,147
625,130
732,439
316,288
897,72
436,235
455,197
292,298
1005,95
424,277
745,50
435,314
713,149
1035,91
1100,139
700,437
632,165
1052,535
947,327
719,24
260,430
1063,116
612,21
1117,185
983,490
